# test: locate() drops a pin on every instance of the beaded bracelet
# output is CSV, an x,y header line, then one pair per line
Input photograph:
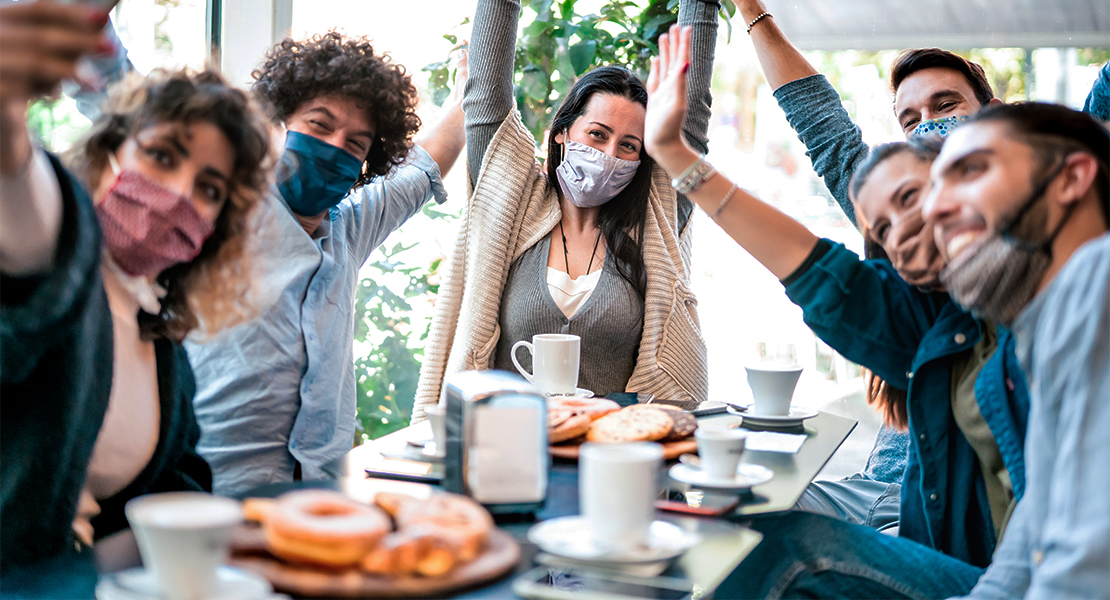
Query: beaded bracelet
x,y
756,20
724,202
693,178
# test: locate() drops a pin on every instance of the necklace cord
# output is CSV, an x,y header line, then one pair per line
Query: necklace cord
x,y
566,255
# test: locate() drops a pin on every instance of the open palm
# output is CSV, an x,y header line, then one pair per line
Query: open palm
x,y
666,87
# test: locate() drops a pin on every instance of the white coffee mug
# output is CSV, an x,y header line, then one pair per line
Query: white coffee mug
x,y
554,362
720,450
183,537
772,387
617,486
435,415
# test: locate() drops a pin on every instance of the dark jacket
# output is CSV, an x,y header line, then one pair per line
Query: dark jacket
x,y
911,338
55,381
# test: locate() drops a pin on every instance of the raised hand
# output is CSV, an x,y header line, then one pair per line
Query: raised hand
x,y
41,42
666,87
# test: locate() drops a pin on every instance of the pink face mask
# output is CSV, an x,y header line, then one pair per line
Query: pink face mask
x,y
148,227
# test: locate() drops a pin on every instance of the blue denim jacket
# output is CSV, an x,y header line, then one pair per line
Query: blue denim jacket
x,y
911,338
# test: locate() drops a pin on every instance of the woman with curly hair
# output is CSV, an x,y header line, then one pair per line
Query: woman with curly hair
x,y
278,393
593,244
104,272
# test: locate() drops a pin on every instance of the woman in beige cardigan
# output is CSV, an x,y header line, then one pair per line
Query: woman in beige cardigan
x,y
596,245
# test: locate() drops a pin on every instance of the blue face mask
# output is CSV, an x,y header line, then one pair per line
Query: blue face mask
x,y
314,175
940,126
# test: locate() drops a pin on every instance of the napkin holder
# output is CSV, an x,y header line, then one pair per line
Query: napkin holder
x,y
496,437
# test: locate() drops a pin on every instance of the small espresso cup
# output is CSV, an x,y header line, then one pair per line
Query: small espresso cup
x,y
772,387
617,486
436,414
720,450
554,362
183,538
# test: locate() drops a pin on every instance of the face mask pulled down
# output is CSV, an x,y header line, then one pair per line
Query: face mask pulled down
x,y
997,276
147,227
915,255
314,175
591,177
942,126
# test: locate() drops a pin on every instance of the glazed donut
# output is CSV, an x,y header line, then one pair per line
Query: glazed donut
x,y
461,523
594,407
323,527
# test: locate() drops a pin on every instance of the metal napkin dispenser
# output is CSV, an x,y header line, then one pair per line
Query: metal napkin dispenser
x,y
496,435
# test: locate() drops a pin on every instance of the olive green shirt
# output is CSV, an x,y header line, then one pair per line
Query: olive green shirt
x,y
965,409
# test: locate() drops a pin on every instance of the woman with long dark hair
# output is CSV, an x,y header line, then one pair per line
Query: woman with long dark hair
x,y
593,243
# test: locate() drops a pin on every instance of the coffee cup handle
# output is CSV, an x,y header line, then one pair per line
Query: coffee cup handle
x,y
531,350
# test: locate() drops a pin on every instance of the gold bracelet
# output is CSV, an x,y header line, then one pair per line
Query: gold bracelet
x,y
724,202
756,20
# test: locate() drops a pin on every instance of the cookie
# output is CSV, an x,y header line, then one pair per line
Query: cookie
x,y
684,423
570,428
636,425
594,407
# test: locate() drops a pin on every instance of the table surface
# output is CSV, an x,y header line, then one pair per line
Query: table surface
x,y
724,544
793,472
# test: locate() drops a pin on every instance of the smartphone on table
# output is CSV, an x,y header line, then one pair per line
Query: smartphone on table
x,y
703,503
559,583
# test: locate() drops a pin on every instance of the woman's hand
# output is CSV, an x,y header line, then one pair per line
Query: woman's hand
x,y
666,108
40,44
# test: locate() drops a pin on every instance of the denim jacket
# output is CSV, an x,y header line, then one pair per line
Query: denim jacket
x,y
911,338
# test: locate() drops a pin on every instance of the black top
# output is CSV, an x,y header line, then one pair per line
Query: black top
x,y
55,381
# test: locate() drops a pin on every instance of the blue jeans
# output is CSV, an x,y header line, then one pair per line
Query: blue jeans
x,y
804,555
855,499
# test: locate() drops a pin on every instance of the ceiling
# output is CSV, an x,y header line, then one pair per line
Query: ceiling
x,y
952,24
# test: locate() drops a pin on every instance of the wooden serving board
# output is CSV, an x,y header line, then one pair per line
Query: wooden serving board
x,y
671,450
248,551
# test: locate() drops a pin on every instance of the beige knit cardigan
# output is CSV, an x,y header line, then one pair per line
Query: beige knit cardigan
x,y
495,231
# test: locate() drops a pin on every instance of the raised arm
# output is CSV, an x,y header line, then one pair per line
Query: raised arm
x,y
444,141
40,44
777,241
488,93
780,60
833,142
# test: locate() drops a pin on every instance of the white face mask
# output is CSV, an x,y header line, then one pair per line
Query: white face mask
x,y
590,177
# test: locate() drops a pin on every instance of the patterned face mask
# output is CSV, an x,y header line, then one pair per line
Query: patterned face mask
x,y
591,177
998,275
939,126
148,227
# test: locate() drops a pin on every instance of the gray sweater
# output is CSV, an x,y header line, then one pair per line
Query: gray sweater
x,y
833,142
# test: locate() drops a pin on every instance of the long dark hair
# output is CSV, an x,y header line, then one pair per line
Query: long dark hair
x,y
623,218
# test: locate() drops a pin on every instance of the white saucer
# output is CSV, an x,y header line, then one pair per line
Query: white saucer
x,y
138,583
578,393
569,537
795,417
420,450
746,476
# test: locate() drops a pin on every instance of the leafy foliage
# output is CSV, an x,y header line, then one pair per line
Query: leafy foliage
x,y
557,45
386,376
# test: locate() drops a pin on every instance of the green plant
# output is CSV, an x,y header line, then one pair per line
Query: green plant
x,y
558,44
386,376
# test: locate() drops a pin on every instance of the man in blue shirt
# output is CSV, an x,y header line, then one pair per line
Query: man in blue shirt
x,y
277,393
1021,200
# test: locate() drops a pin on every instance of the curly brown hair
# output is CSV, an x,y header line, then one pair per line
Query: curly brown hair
x,y
212,288
297,71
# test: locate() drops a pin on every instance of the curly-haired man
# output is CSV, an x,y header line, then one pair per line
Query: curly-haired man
x,y
278,392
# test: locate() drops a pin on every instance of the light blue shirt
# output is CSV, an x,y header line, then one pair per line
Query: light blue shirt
x,y
1057,544
281,387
